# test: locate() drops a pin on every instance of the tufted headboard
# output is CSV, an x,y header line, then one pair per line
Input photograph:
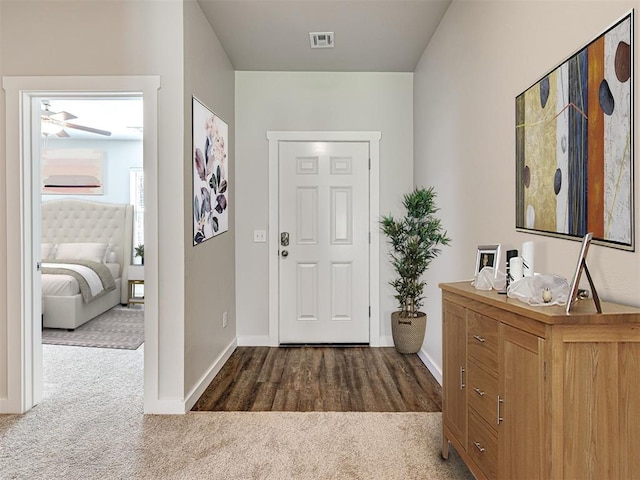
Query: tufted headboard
x,y
82,221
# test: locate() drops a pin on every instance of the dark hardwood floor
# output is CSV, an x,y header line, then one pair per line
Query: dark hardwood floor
x,y
322,379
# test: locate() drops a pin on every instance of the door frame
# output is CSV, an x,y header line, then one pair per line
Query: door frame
x,y
23,341
371,137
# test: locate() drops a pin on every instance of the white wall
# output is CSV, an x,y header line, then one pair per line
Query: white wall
x,y
311,101
119,156
119,38
210,282
483,54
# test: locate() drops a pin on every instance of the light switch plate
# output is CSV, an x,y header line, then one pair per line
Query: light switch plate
x,y
259,236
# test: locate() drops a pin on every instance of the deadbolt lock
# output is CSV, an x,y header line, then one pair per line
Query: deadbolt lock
x,y
284,239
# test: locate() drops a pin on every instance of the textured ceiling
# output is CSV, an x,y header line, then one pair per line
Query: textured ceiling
x,y
370,35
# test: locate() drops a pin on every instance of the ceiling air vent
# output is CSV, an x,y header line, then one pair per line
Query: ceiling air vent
x,y
321,39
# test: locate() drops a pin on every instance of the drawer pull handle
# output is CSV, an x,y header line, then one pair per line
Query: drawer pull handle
x,y
479,447
498,413
479,338
462,385
478,391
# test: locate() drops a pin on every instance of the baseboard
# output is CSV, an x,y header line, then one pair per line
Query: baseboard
x,y
384,341
255,341
431,366
7,407
204,382
164,407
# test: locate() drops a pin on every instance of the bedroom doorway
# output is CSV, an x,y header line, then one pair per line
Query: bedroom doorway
x,y
91,180
24,380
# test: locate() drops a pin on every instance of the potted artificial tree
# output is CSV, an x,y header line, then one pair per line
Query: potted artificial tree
x,y
414,241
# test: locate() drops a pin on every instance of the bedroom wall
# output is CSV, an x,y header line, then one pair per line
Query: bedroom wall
x,y
312,101
210,283
483,55
121,38
119,156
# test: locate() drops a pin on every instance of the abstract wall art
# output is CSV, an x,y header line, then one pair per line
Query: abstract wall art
x,y
72,171
210,174
574,144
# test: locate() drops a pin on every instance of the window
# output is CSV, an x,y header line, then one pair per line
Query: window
x,y
136,198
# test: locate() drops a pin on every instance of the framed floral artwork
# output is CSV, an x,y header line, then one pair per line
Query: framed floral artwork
x,y
210,173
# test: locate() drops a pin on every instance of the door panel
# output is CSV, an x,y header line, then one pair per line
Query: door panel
x,y
454,320
521,429
324,207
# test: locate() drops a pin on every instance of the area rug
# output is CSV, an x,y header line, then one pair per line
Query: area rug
x,y
120,327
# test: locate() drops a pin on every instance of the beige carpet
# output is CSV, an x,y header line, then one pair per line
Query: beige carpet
x,y
90,426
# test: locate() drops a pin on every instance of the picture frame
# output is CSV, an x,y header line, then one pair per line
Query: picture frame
x,y
487,256
210,147
72,171
574,139
574,289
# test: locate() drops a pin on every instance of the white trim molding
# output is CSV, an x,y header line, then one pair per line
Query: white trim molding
x,y
208,377
254,341
431,365
373,138
23,342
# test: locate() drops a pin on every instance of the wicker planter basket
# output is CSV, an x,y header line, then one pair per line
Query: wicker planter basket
x,y
408,333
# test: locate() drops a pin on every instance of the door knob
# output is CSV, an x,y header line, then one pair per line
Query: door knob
x,y
285,254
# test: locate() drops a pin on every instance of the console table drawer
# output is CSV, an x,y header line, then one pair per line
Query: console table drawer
x,y
483,392
483,445
482,340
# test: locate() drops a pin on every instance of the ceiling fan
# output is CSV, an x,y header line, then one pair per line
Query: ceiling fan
x,y
56,122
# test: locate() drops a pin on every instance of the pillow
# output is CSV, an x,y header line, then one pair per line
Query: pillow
x,y
47,250
94,252
111,257
107,253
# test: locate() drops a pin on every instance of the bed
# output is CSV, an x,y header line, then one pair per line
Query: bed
x,y
87,232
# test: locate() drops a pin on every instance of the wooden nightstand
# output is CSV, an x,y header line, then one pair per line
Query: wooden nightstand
x,y
136,282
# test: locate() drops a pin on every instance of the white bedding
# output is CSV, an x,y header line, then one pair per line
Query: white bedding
x,y
66,285
82,229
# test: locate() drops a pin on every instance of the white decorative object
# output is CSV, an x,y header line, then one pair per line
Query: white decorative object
x,y
528,259
515,268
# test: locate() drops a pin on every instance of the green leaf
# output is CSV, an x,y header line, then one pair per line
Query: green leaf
x,y
414,242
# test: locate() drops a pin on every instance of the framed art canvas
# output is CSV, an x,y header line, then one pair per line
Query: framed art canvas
x,y
72,171
574,289
210,174
574,144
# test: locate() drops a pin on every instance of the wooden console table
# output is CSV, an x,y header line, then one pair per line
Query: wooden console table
x,y
534,393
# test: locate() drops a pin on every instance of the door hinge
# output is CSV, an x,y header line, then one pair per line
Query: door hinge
x,y
544,371
369,237
369,164
369,311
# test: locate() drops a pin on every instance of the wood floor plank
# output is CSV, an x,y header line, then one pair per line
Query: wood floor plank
x,y
265,397
335,379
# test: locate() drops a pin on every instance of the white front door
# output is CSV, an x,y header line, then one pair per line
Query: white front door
x,y
324,242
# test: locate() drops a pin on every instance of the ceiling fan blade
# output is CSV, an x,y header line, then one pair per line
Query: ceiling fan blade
x,y
62,134
88,129
62,116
